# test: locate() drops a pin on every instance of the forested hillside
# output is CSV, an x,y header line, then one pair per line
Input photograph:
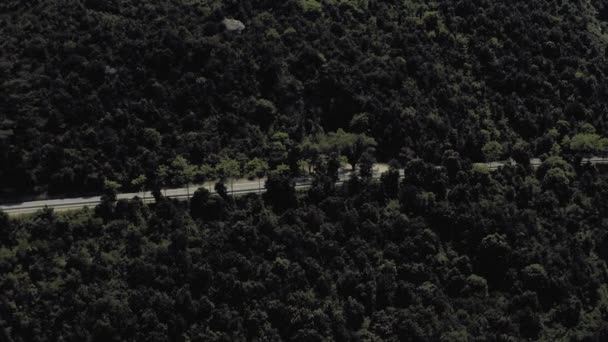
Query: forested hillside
x,y
100,96
108,90
456,254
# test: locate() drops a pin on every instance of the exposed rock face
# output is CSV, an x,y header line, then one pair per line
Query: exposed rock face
x,y
233,25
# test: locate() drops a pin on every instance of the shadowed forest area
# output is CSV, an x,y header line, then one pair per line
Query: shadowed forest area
x,y
100,90
443,255
100,96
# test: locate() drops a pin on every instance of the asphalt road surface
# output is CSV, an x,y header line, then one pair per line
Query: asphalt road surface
x,y
238,187
535,162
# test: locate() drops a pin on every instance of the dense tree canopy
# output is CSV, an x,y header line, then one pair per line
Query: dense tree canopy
x,y
506,256
102,96
111,90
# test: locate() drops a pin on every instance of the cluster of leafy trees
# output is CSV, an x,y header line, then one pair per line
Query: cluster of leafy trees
x,y
445,254
302,159
97,91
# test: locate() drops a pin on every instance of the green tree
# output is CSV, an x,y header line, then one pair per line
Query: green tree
x,y
139,183
366,162
476,286
360,123
492,151
555,162
280,169
111,189
256,168
229,169
556,179
310,151
588,144
183,172
265,112
206,172
162,176
280,190
521,152
151,138
351,145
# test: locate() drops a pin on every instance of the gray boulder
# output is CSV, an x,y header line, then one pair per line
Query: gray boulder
x,y
233,25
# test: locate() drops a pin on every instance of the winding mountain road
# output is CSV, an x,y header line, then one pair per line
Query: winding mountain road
x,y
238,187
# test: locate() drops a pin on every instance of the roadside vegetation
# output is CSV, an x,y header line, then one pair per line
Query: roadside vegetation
x,y
450,254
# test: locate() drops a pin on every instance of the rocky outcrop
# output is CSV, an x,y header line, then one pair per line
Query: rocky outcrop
x,y
233,25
